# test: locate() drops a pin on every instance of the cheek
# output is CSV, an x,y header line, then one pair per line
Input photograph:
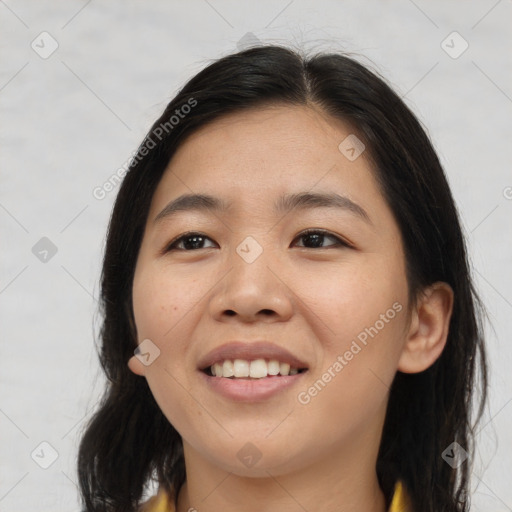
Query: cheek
x,y
160,301
163,305
350,298
359,362
363,311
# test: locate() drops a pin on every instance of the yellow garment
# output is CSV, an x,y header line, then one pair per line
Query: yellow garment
x,y
400,501
161,502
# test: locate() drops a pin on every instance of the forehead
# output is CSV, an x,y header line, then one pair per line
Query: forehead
x,y
267,150
286,134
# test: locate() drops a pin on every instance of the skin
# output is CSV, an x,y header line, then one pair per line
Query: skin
x,y
312,301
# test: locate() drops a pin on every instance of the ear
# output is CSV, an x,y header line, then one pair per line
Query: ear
x,y
428,330
136,366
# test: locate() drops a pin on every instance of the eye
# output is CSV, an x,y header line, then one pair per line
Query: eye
x,y
187,242
314,238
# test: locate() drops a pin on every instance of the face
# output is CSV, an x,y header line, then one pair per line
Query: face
x,y
318,283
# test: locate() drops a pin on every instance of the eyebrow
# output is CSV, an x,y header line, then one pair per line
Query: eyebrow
x,y
285,203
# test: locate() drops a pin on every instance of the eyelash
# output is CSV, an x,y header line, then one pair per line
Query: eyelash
x,y
339,241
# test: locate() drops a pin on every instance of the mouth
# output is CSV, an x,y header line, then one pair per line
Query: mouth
x,y
250,371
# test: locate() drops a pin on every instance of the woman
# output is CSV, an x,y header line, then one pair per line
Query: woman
x,y
289,318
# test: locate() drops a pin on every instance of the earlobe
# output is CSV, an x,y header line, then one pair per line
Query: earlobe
x,y
136,366
428,331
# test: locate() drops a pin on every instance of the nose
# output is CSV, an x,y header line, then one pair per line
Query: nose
x,y
252,291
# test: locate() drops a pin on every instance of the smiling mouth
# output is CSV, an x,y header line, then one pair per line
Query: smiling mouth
x,y
251,369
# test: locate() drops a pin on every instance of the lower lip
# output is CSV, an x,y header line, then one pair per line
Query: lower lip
x,y
251,390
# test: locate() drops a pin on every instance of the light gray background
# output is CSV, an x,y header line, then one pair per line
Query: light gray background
x,y
71,120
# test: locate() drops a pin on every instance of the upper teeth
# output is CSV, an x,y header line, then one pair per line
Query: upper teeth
x,y
256,369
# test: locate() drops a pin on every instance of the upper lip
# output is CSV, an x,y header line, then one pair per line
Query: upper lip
x,y
250,351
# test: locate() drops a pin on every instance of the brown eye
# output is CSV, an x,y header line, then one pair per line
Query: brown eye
x,y
188,242
315,238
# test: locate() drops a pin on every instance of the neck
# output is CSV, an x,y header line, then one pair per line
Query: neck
x,y
345,481
277,494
